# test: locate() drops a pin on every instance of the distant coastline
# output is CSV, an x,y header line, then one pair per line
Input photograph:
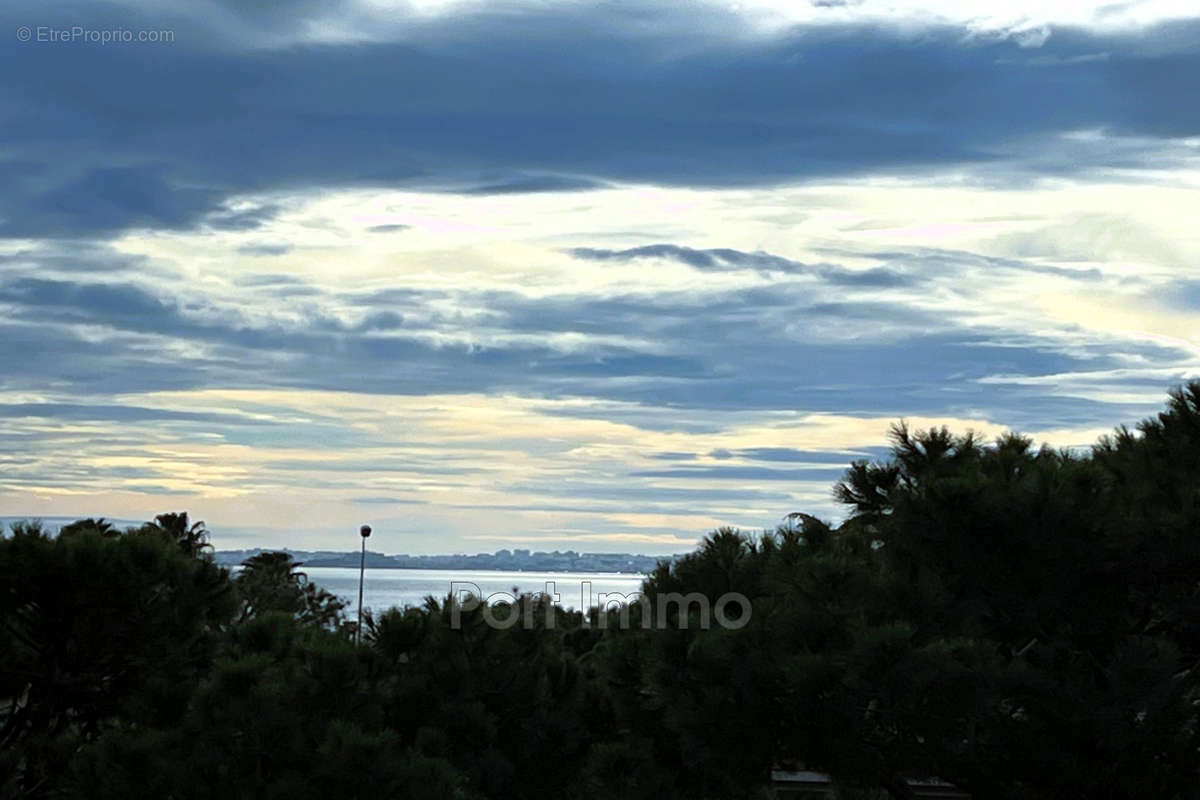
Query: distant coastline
x,y
505,560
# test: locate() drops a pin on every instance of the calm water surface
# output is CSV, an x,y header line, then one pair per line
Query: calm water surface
x,y
385,588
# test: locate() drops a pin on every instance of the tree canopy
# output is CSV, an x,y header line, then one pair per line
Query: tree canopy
x,y
1018,620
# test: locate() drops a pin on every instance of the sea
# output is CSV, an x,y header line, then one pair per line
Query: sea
x,y
384,588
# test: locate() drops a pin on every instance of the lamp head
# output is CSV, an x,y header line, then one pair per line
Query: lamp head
x,y
365,530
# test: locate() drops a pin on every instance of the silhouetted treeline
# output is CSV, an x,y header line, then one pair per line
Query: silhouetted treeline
x,y
1022,622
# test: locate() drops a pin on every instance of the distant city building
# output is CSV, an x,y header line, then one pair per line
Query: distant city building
x,y
515,560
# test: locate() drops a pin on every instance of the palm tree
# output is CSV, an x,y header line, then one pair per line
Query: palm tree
x,y
274,582
192,539
100,526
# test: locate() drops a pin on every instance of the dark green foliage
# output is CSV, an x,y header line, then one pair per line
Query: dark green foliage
x,y
288,711
100,527
273,583
94,626
1047,604
510,708
190,537
1023,622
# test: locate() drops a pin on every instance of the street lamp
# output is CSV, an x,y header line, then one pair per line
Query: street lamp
x,y
365,530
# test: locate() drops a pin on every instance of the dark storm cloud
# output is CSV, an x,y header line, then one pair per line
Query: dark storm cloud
x,y
101,139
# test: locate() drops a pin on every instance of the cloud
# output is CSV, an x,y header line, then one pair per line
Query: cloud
x,y
627,538
550,98
945,262
1057,61
265,249
1034,36
523,184
808,456
824,475
98,412
389,501
117,302
76,256
728,259
243,218
672,455
768,347
96,198
641,269
1183,295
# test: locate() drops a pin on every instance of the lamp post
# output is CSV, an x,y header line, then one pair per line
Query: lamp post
x,y
365,531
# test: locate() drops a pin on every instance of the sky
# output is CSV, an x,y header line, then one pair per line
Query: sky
x,y
599,276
